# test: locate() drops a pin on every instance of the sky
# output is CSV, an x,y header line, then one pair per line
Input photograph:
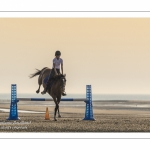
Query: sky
x,y
111,54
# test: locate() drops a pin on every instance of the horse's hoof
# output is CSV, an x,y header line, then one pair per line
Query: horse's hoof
x,y
55,119
37,91
59,116
43,92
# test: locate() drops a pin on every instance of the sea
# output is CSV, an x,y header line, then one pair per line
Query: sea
x,y
99,100
7,96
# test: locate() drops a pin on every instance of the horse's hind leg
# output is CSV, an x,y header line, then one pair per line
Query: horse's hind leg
x,y
38,89
40,83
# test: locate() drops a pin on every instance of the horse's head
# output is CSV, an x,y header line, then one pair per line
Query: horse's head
x,y
63,82
62,79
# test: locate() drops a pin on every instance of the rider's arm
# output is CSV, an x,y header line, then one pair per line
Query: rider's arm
x,y
62,68
55,69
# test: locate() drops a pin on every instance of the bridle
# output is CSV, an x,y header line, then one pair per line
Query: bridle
x,y
63,83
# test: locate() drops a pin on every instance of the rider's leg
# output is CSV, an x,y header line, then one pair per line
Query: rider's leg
x,y
64,94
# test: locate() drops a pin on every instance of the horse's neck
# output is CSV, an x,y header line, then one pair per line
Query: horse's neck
x,y
57,83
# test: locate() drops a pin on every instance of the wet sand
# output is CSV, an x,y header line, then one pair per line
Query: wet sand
x,y
110,117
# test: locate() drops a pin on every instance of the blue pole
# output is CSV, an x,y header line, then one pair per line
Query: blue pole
x,y
89,107
13,115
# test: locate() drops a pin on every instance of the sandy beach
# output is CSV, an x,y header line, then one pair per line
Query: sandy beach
x,y
116,116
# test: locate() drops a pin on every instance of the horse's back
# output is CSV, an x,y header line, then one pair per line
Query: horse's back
x,y
43,75
46,71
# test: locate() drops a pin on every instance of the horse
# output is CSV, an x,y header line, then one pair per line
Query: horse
x,y
56,89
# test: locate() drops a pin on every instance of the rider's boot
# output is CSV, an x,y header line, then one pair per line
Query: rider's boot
x,y
64,94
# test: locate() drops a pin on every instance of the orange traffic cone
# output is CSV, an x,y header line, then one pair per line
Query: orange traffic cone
x,y
47,114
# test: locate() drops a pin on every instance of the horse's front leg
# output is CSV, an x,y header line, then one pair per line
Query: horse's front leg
x,y
59,116
58,101
56,108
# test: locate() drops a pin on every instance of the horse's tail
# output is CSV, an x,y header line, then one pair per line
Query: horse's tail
x,y
38,72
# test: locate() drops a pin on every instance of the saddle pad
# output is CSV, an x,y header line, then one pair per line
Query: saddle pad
x,y
45,82
46,79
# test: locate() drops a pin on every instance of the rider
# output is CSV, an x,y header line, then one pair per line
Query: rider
x,y
55,69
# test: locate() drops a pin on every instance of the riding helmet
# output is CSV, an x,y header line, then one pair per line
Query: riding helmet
x,y
57,53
